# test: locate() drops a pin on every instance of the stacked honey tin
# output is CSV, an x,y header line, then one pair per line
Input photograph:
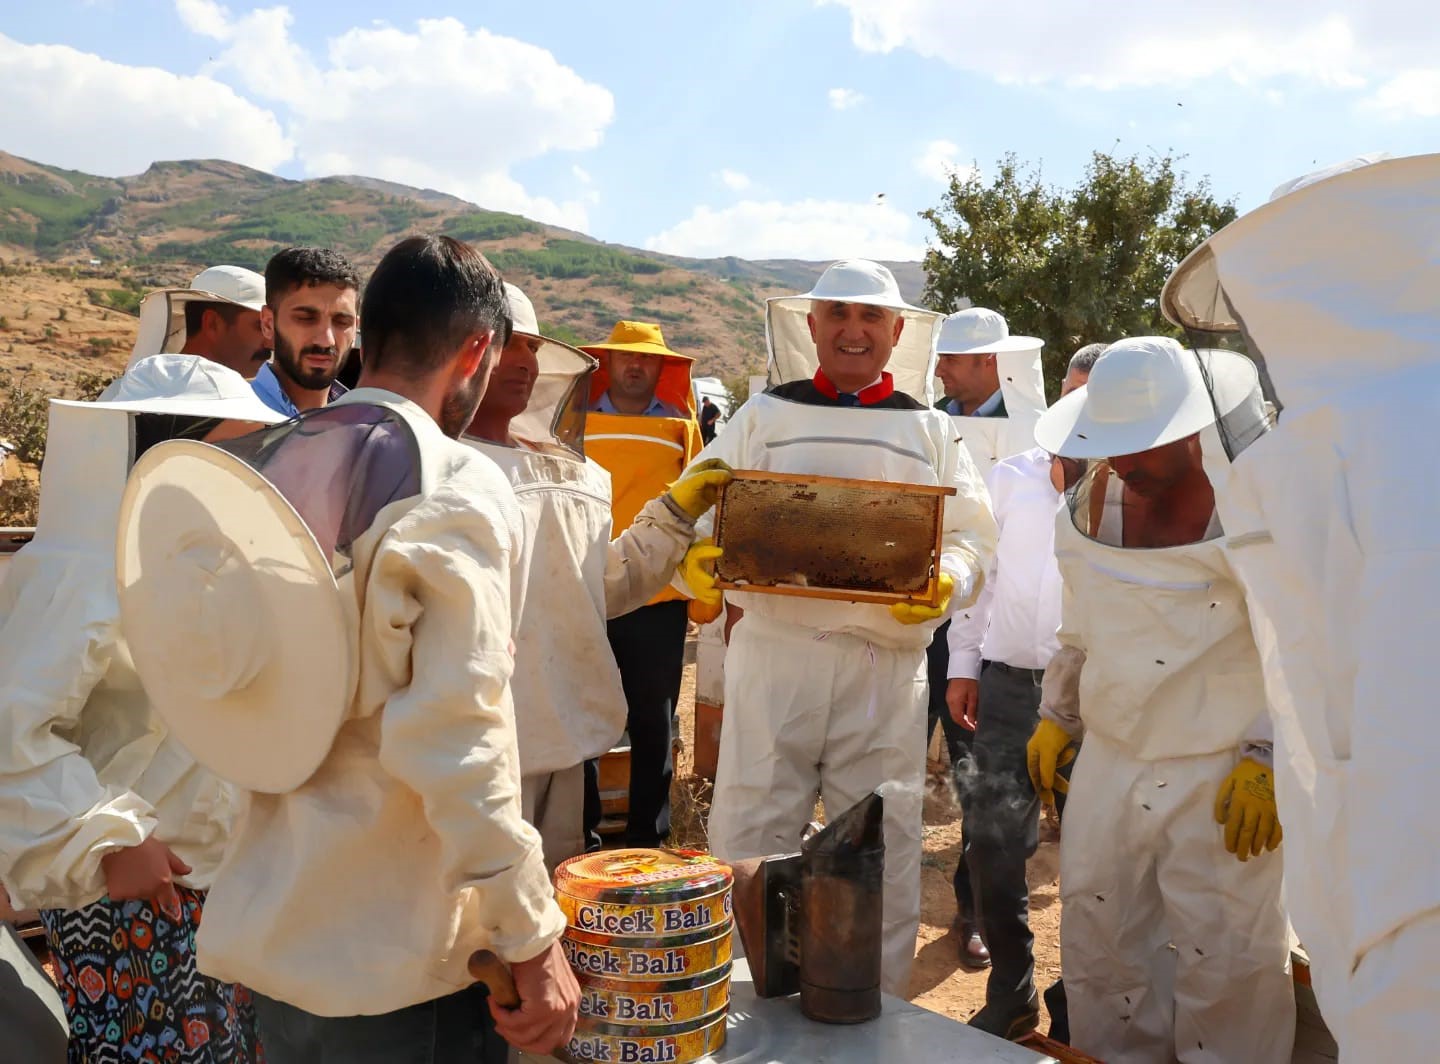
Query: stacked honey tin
x,y
649,938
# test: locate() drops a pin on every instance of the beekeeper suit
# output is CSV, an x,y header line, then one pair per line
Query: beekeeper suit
x,y
826,695
1159,668
569,578
1009,429
1332,288
94,789
322,613
87,768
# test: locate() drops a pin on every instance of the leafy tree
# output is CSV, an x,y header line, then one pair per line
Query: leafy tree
x,y
1071,266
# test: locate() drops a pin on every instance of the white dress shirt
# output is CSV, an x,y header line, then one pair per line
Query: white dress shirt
x,y
1016,616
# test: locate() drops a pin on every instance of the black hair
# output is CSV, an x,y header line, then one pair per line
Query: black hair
x,y
301,267
153,428
425,297
195,314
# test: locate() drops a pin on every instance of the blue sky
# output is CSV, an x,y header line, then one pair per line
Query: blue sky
x,y
760,129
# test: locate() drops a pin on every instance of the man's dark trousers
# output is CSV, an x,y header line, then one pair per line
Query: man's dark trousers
x,y
957,744
1002,817
649,648
453,1028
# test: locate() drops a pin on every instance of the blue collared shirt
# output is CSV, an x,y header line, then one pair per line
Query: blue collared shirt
x,y
267,388
603,405
989,408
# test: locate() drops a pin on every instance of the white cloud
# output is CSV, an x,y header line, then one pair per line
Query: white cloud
x,y
77,110
581,174
937,161
735,180
844,99
440,105
807,229
1412,93
1345,44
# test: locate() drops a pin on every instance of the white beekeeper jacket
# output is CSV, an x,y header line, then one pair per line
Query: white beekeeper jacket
x,y
1333,286
569,576
366,889
85,767
1170,667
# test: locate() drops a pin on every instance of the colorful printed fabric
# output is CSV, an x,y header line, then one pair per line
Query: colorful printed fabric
x,y
133,994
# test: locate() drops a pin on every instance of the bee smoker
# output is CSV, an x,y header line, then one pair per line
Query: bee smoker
x,y
811,921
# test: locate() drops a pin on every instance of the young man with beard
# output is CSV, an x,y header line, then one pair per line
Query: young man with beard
x,y
309,322
383,841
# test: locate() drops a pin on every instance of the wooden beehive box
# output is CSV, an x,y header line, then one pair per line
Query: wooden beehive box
x,y
828,537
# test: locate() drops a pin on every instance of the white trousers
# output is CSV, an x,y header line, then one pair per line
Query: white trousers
x,y
809,713
1171,948
554,805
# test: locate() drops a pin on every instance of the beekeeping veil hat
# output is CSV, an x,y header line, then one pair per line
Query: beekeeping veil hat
x,y
792,351
1146,392
233,565
162,312
556,411
979,331
1328,285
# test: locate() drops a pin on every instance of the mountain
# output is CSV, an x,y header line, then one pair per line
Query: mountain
x,y
109,239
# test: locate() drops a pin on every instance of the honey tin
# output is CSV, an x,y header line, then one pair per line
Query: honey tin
x,y
656,1001
644,893
678,1043
671,957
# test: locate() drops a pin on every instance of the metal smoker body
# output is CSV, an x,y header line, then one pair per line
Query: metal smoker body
x,y
811,921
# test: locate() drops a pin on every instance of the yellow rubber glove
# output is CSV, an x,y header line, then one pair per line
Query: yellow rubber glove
x,y
914,613
699,489
697,569
1050,748
1246,806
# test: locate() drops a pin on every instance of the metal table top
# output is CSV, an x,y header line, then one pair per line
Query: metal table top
x,y
772,1031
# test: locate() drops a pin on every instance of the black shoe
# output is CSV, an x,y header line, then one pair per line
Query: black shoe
x,y
1059,1011
1009,1022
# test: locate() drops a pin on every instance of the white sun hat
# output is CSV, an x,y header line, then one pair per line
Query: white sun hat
x,y
186,385
233,616
556,411
1144,392
981,331
162,312
792,351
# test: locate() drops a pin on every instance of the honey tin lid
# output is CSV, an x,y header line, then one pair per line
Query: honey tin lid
x,y
642,876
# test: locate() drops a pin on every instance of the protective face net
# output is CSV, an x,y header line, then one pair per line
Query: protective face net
x,y
556,411
1213,324
338,466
